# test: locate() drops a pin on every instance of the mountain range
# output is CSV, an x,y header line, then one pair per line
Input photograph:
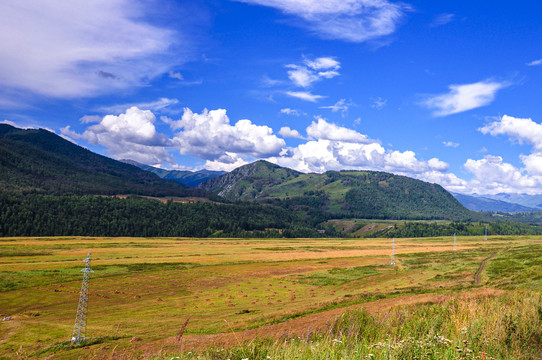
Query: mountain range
x,y
189,178
51,186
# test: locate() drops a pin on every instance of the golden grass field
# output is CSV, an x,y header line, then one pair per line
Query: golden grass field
x,y
144,289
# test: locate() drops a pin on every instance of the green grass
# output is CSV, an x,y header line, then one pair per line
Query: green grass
x,y
146,288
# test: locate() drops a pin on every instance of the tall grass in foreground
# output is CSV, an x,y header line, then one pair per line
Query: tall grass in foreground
x,y
508,326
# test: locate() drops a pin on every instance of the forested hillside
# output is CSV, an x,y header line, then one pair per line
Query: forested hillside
x,y
40,161
360,194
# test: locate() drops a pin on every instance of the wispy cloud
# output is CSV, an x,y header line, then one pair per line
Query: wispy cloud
x,y
79,48
352,20
442,19
342,105
378,103
304,95
156,105
535,63
293,112
450,144
464,97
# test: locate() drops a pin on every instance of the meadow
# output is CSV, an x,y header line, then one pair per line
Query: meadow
x,y
167,298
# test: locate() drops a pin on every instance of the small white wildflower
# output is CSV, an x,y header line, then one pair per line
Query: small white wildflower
x,y
337,341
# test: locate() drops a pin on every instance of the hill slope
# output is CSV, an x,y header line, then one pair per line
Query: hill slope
x,y
247,182
479,203
190,178
43,162
360,194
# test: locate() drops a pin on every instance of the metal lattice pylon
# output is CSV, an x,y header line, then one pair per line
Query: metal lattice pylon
x,y
80,327
454,243
393,252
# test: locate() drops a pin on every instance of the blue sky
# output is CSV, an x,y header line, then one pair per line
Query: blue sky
x,y
443,91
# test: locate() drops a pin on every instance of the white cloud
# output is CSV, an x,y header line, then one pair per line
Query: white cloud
x,y
522,130
210,136
304,95
340,105
378,103
79,48
176,75
313,70
228,163
450,144
290,133
535,63
493,176
336,148
131,135
464,97
87,119
533,163
442,19
348,20
329,131
293,112
156,105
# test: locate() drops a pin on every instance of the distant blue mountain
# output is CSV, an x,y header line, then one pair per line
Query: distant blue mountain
x,y
190,178
482,203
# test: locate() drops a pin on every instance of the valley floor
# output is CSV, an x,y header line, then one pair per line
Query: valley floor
x,y
248,296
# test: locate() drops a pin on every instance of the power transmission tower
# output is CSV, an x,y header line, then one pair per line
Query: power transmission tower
x,y
454,243
393,252
80,327
485,234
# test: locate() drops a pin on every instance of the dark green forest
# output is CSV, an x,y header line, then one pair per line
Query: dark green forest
x,y
50,215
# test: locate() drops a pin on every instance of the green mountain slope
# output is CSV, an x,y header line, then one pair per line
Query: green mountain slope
x,y
248,182
43,162
360,194
190,178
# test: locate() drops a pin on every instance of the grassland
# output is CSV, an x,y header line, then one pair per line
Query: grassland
x,y
277,298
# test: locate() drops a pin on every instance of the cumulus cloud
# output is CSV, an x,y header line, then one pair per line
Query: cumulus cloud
x,y
334,148
493,175
131,135
79,48
329,131
348,20
498,176
313,70
464,97
290,133
304,95
210,136
521,130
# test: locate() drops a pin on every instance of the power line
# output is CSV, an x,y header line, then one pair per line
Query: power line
x,y
80,327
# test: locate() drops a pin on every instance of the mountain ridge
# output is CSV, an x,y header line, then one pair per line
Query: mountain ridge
x,y
40,161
